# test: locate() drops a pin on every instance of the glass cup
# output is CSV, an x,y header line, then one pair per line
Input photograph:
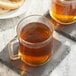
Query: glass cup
x,y
35,38
63,11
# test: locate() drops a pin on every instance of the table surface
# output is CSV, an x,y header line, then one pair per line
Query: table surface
x,y
7,32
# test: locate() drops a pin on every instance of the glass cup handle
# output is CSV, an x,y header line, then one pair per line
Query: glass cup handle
x,y
11,50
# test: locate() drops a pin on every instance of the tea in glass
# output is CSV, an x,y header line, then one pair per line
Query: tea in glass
x,y
35,36
63,11
40,50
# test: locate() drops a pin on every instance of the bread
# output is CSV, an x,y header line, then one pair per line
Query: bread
x,y
2,11
10,4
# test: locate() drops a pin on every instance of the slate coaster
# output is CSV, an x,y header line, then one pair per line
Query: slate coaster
x,y
60,52
67,30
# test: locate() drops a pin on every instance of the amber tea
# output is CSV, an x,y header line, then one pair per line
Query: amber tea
x,y
35,33
35,38
63,11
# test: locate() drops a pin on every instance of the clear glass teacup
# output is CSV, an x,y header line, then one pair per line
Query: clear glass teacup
x,y
63,11
35,37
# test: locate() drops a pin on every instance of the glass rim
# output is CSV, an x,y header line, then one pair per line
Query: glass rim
x,y
68,1
30,43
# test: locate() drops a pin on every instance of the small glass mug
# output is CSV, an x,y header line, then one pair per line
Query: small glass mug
x,y
63,11
35,37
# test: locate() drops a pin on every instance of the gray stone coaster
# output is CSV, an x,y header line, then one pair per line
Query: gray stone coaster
x,y
67,30
60,52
